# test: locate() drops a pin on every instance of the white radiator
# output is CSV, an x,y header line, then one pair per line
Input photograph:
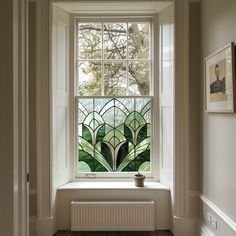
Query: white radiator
x,y
112,216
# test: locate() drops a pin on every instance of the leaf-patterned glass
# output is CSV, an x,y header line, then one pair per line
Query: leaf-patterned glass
x,y
114,135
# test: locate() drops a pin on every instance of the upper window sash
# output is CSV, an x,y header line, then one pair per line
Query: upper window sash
x,y
125,65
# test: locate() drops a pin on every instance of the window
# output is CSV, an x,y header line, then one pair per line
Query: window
x,y
114,98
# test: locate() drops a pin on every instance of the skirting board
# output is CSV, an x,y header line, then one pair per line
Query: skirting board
x,y
186,227
205,231
219,212
44,226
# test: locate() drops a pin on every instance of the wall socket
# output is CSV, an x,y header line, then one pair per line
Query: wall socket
x,y
212,220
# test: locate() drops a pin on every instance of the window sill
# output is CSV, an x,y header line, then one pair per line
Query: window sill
x,y
112,186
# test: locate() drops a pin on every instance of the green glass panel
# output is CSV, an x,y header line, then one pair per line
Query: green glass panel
x,y
139,118
131,146
123,151
109,135
99,167
94,165
142,134
95,124
98,118
100,134
113,142
134,120
119,136
86,146
120,128
128,134
86,134
149,131
89,120
106,152
98,147
117,141
144,167
138,161
108,128
142,146
133,124
83,167
130,118
101,159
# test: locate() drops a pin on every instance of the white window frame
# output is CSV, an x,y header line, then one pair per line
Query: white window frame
x,y
154,38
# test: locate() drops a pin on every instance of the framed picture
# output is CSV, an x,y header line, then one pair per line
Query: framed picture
x,y
220,81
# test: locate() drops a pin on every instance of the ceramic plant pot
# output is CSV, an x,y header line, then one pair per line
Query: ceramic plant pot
x,y
139,180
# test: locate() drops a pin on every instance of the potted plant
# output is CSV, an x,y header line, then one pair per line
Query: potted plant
x,y
139,180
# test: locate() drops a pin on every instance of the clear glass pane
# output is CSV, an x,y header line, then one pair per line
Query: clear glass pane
x,y
142,105
115,40
100,105
90,40
109,117
128,104
89,73
139,78
115,82
138,40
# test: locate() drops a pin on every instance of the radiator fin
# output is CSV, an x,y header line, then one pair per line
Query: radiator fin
x,y
112,216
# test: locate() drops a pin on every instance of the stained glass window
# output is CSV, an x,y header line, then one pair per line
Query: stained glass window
x,y
114,102
114,134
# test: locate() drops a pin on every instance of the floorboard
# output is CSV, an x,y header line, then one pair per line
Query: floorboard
x,y
156,233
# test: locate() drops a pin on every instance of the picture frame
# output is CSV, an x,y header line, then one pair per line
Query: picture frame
x,y
220,81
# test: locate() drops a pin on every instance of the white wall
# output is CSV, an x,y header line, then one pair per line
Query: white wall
x,y
218,22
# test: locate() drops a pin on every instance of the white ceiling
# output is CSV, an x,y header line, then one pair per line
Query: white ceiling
x,y
113,7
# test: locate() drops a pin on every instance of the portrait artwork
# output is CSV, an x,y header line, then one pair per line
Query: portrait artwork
x,y
219,80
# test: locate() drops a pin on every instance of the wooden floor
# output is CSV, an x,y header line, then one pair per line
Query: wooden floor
x,y
156,233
